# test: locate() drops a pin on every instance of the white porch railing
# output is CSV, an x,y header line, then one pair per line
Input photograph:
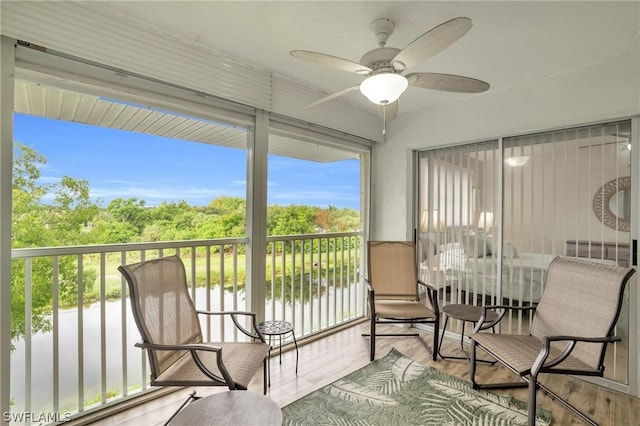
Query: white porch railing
x,y
86,359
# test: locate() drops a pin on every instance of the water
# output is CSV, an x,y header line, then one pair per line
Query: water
x,y
84,370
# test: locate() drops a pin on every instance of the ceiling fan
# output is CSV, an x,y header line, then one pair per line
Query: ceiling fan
x,y
384,66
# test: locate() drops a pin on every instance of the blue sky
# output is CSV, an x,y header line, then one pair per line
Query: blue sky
x,y
122,164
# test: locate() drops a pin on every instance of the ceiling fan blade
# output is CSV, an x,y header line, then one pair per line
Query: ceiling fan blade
x,y
331,61
333,96
388,112
447,82
433,41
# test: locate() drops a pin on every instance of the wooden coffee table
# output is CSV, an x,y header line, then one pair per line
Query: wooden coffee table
x,y
230,408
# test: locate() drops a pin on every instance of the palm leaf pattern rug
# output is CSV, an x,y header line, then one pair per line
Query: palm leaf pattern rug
x,y
395,390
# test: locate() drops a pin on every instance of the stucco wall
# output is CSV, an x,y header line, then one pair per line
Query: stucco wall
x,y
602,92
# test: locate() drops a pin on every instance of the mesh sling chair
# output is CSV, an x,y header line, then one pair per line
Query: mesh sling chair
x,y
569,332
168,323
393,293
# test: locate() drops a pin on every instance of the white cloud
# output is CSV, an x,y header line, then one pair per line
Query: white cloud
x,y
153,196
327,195
49,179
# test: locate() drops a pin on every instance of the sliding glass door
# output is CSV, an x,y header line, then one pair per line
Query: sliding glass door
x,y
458,202
492,216
567,192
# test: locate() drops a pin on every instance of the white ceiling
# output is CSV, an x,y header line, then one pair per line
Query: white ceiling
x,y
510,44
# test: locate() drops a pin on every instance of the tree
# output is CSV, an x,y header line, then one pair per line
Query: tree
x,y
130,211
334,220
224,217
291,220
38,223
226,204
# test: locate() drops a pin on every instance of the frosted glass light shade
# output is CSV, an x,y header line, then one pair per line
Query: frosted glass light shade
x,y
382,89
517,161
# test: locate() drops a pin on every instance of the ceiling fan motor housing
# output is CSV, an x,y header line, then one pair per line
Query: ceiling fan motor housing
x,y
379,60
382,28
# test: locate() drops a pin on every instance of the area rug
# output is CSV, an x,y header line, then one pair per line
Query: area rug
x,y
395,390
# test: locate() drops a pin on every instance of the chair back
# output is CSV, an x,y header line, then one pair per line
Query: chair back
x,y
392,269
581,298
162,307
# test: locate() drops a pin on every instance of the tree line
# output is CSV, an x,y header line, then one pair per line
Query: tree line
x,y
62,213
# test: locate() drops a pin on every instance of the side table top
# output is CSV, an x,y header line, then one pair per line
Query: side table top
x,y
230,408
469,313
275,327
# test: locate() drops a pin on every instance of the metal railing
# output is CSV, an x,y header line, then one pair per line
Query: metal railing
x,y
76,354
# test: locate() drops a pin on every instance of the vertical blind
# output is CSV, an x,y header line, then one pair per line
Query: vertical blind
x,y
494,215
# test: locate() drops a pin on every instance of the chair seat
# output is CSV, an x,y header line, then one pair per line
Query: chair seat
x,y
242,360
520,351
402,309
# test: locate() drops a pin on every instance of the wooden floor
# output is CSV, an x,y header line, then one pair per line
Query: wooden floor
x,y
332,357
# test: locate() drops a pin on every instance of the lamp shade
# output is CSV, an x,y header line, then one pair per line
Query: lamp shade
x,y
485,220
384,88
435,224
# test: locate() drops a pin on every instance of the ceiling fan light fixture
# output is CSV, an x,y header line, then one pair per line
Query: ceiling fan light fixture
x,y
383,89
517,161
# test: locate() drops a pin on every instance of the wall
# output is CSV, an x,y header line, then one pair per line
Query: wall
x,y
602,92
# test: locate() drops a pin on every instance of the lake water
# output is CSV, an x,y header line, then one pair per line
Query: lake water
x,y
89,361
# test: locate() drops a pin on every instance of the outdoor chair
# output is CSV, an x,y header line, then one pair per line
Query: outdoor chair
x,y
569,332
393,292
170,328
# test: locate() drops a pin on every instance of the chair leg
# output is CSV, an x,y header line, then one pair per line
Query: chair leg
x,y
431,350
472,365
265,373
565,403
191,397
436,341
533,387
425,346
372,350
372,340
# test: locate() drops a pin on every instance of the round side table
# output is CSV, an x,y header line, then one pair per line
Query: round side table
x,y
280,329
231,408
464,313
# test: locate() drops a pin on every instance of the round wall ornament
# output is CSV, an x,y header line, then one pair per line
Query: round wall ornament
x,y
611,201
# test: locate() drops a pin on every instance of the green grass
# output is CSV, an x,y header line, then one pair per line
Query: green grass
x,y
113,280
